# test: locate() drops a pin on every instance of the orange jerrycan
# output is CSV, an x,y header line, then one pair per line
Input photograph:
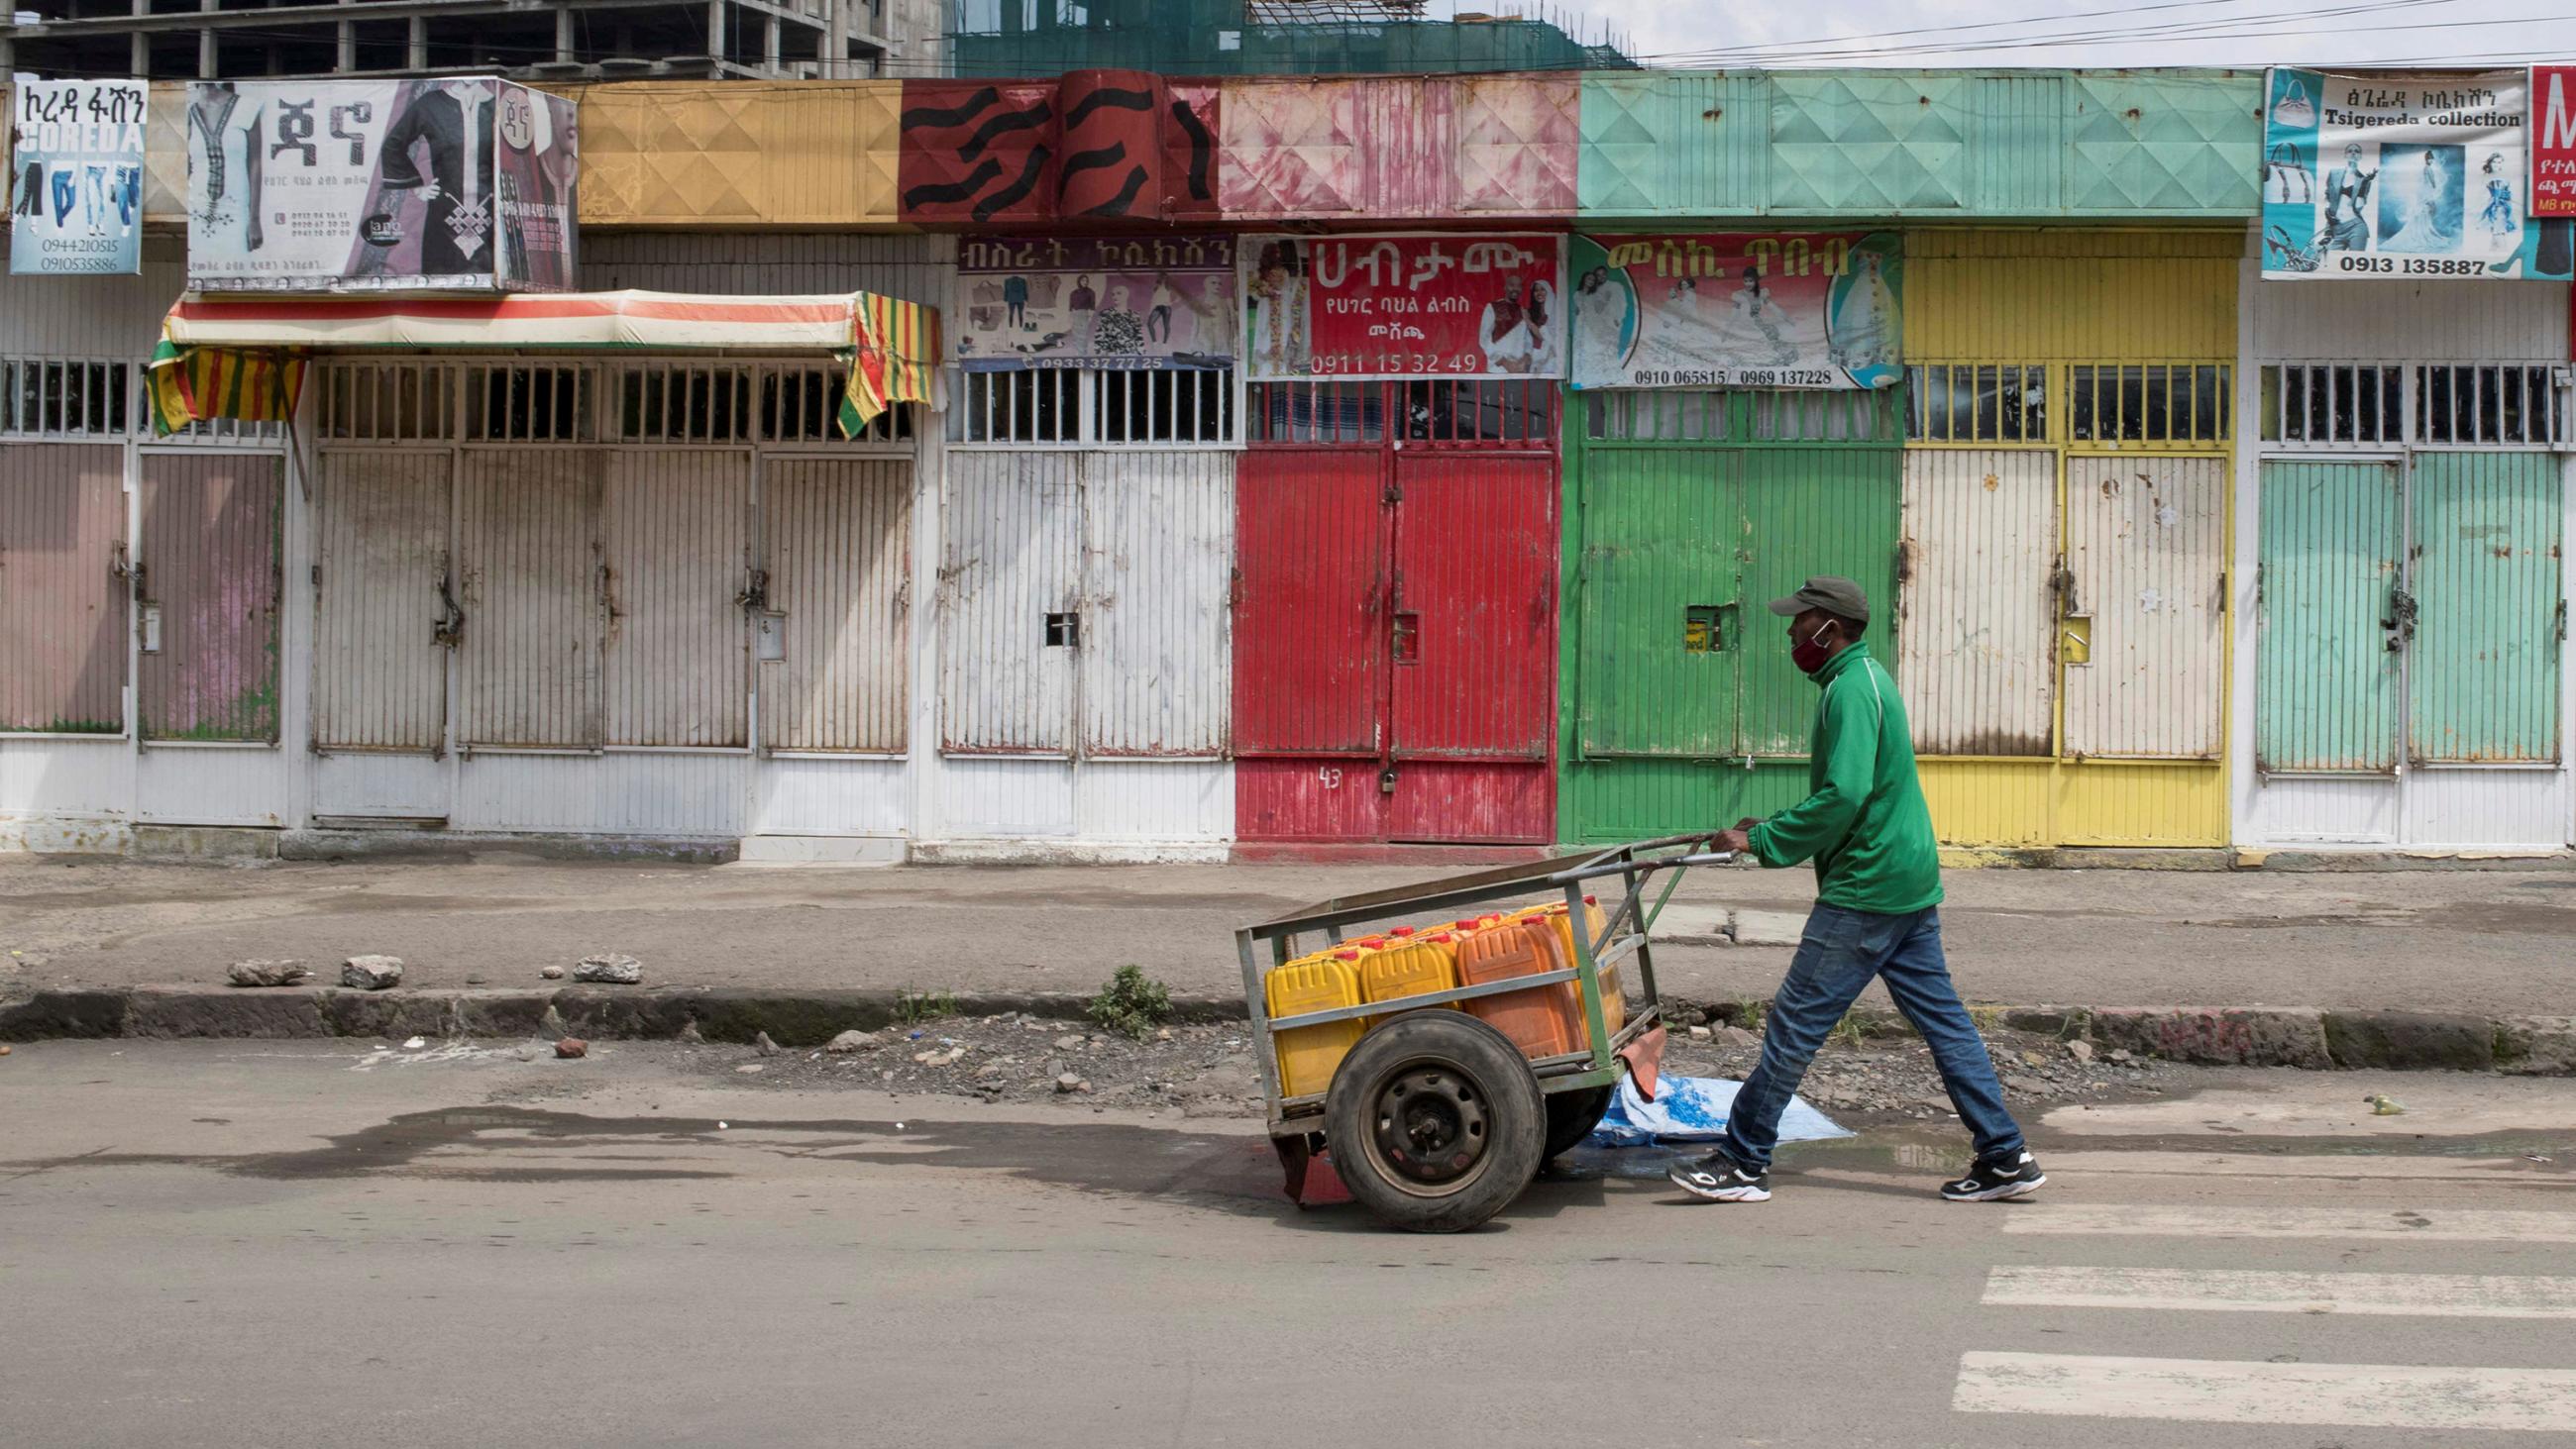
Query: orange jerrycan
x,y
1614,999
1308,1055
1541,1021
1411,967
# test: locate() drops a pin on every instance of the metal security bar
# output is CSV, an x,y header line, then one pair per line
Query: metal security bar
x,y
684,403
2318,404
66,397
1784,416
1655,417
1479,413
1318,412
523,403
387,402
1163,405
1977,403
1024,407
2497,405
803,405
2149,403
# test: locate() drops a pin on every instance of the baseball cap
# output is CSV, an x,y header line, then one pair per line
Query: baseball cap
x,y
1839,597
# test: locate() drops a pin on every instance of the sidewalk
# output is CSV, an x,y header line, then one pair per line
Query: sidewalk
x,y
2496,943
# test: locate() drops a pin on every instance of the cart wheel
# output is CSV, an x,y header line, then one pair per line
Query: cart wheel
x,y
1571,1116
1435,1122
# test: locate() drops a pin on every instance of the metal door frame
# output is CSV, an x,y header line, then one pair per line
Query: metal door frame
x,y
2404,459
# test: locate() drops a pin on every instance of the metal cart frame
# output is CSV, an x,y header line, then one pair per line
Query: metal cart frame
x,y
1623,934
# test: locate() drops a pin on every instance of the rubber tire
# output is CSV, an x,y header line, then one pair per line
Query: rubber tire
x,y
1516,1119
1571,1116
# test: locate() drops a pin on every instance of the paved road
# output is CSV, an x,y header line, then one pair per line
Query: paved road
x,y
2017,937
274,1244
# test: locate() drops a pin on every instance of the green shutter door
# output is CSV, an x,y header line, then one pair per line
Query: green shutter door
x,y
2326,688
1811,511
2482,681
1661,625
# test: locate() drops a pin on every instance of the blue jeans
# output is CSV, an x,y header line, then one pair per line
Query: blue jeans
x,y
1838,955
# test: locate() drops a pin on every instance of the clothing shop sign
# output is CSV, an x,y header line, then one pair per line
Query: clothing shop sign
x,y
75,177
1810,310
450,184
2553,140
2402,176
1362,307
1037,302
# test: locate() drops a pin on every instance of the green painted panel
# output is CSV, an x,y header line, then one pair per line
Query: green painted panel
x,y
1810,511
2150,143
1605,801
2482,676
1873,144
1660,617
2326,682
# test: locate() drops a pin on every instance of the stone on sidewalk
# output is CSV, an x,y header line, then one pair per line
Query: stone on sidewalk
x,y
610,969
267,973
1769,928
371,973
852,1041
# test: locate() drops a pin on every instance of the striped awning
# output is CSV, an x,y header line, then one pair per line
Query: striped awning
x,y
892,347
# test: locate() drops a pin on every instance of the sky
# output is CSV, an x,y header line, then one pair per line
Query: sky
x,y
2245,33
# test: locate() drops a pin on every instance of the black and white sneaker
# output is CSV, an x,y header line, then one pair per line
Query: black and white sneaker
x,y
1720,1178
1993,1179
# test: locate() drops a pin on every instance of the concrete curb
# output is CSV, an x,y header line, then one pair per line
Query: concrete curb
x,y
2254,1036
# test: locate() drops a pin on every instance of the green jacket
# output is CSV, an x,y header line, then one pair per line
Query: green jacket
x,y
1863,821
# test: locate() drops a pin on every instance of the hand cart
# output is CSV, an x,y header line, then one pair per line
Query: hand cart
x,y
1434,1121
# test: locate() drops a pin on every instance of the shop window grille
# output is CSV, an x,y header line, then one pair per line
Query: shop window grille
x,y
2491,404
682,403
1784,416
2324,403
515,403
1986,402
1318,412
1479,413
66,397
1023,407
1164,405
803,405
387,402
2149,403
1655,417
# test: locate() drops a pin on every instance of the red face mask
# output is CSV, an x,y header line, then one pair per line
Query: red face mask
x,y
1811,653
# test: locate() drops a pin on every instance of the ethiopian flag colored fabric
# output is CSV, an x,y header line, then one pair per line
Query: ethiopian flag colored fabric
x,y
894,358
192,384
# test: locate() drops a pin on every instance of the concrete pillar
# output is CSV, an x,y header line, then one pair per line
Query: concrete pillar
x,y
206,54
138,56
716,31
833,47
416,54
348,60
563,36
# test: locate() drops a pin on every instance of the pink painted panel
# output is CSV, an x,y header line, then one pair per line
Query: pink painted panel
x,y
1518,141
62,605
1290,148
210,567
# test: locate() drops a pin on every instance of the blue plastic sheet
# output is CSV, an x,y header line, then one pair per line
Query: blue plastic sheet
x,y
1693,1109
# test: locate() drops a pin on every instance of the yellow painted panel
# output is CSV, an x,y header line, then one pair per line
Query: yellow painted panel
x,y
2101,803
724,154
2047,296
1989,802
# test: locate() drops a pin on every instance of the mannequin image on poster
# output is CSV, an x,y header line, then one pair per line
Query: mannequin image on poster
x,y
1865,320
224,162
1275,298
2498,217
1544,326
1119,330
439,150
2347,223
31,191
535,186
1751,315
1605,325
2421,210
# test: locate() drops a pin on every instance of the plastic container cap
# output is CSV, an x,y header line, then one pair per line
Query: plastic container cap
x,y
1401,931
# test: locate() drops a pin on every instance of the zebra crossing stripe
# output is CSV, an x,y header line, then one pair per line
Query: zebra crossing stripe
x,y
2264,1164
2227,1392
2430,1295
2420,1224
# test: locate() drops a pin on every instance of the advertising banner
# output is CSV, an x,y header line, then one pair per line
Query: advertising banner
x,y
1362,307
2553,140
1035,302
2405,176
1810,310
451,184
76,177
